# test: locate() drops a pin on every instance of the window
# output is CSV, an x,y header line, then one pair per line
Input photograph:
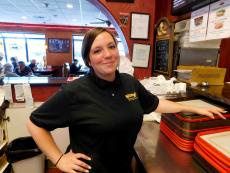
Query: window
x,y
23,46
77,42
2,50
16,47
120,47
36,49
32,46
13,35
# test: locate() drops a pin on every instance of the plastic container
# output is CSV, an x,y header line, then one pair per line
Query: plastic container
x,y
25,156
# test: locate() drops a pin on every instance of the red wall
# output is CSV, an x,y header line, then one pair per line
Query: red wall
x,y
225,57
57,59
139,6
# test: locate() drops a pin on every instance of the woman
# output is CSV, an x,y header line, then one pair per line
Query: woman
x,y
103,110
8,70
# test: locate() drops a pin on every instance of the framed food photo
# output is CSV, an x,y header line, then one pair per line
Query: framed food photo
x,y
139,26
140,55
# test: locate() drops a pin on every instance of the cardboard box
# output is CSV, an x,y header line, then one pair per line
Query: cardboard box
x,y
199,74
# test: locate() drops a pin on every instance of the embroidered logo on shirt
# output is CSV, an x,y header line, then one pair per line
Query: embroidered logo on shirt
x,y
131,96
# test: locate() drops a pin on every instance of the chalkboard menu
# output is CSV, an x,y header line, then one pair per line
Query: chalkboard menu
x,y
162,55
163,48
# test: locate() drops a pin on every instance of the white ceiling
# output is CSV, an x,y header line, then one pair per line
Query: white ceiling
x,y
53,12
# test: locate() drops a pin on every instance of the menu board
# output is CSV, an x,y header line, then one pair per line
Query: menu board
x,y
198,24
162,56
210,22
162,61
219,20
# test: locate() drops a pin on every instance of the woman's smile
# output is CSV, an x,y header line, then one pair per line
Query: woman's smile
x,y
104,56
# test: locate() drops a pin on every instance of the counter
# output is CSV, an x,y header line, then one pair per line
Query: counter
x,y
41,87
220,93
35,80
158,154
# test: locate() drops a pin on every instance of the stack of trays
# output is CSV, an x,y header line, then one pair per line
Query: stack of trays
x,y
182,128
212,150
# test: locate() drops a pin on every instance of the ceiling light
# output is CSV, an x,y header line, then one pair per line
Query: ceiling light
x,y
24,17
69,5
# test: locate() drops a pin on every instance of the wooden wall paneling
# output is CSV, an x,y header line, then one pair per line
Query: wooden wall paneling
x,y
58,59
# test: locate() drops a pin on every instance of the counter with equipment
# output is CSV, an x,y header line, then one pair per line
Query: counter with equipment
x,y
154,148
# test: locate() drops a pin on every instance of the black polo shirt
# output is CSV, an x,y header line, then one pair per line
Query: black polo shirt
x,y
104,118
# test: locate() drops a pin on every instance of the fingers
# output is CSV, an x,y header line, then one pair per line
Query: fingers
x,y
80,165
73,163
218,112
82,156
209,114
211,111
78,168
223,111
222,116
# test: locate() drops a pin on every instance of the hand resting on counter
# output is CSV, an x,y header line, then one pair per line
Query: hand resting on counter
x,y
166,106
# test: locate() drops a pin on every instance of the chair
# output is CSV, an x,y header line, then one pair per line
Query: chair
x,y
65,69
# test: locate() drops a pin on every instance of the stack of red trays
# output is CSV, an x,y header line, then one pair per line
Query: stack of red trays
x,y
212,150
182,129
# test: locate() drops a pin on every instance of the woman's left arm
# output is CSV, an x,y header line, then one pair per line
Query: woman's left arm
x,y
166,106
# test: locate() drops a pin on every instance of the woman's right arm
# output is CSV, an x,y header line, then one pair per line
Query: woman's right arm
x,y
69,162
45,141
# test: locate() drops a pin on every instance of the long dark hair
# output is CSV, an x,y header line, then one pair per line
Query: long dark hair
x,y
88,41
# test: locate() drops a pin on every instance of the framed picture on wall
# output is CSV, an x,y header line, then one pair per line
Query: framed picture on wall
x,y
139,26
140,55
58,45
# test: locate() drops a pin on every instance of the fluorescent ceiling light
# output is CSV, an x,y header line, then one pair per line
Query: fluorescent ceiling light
x,y
69,5
24,17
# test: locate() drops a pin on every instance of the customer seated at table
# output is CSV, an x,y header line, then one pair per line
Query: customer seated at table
x,y
23,70
33,65
8,70
74,67
1,58
14,62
